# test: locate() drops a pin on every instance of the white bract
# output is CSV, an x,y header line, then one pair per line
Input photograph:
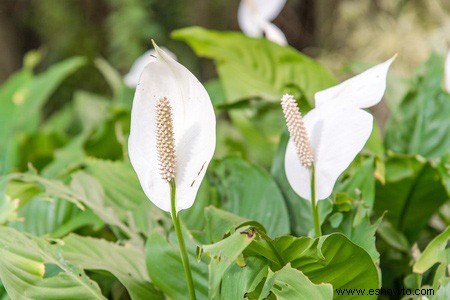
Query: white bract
x,y
255,17
337,128
447,72
194,131
132,77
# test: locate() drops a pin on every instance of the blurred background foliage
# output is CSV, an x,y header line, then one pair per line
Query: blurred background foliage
x,y
346,35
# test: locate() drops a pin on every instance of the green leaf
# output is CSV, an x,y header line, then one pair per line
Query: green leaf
x,y
330,259
421,124
224,253
124,194
238,280
266,70
289,283
23,265
433,253
251,193
361,234
42,216
220,223
411,195
166,269
127,263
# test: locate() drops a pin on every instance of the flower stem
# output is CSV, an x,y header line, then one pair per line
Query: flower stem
x,y
184,257
315,211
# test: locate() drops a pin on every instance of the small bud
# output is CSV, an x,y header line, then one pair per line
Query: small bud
x,y
297,130
165,142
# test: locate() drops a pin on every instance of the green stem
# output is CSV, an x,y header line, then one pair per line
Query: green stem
x,y
315,211
184,257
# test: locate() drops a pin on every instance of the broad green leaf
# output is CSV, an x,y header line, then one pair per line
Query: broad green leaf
x,y
127,263
84,190
224,253
289,283
194,217
361,234
266,70
219,223
91,193
239,280
251,193
433,253
330,259
411,195
421,124
124,194
23,267
299,209
43,215
166,270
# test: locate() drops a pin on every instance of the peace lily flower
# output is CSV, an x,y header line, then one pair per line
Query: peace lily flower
x,y
447,72
132,77
172,139
255,17
328,138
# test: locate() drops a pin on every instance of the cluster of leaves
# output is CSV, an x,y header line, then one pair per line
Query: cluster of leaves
x,y
76,224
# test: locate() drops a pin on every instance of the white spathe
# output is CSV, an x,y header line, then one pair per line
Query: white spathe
x,y
447,72
131,79
194,125
255,17
338,129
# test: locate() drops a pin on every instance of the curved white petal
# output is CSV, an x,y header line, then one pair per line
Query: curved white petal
x,y
132,77
337,136
266,9
447,72
362,91
274,34
194,126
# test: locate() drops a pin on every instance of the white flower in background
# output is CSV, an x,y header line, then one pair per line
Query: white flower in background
x,y
255,17
335,131
132,77
447,72
173,132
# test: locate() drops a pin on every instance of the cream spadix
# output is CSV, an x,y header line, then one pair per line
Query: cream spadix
x,y
337,129
172,133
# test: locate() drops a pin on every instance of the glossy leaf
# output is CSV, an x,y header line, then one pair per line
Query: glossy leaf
x,y
289,283
127,263
23,265
251,193
166,270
